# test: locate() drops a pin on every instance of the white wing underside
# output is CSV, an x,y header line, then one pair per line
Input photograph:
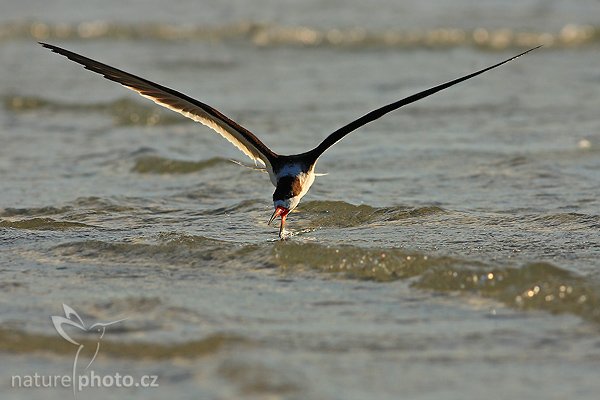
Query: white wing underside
x,y
237,135
197,114
252,167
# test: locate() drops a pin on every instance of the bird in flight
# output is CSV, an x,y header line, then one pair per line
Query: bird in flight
x,y
292,175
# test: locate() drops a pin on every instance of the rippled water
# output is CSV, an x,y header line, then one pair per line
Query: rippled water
x,y
451,251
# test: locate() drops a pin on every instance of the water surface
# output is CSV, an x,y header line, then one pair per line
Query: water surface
x,y
451,251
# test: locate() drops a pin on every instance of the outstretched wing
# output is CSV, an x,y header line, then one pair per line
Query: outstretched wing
x,y
239,136
380,112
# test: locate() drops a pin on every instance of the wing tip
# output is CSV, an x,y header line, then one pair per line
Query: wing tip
x,y
52,48
527,51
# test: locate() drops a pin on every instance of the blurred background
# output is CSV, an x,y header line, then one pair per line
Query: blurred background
x,y
450,253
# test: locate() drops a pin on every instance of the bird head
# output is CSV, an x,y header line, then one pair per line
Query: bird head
x,y
288,193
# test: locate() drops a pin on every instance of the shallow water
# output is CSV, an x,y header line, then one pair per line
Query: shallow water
x,y
451,251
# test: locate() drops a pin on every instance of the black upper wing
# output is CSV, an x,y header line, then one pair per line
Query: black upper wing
x,y
239,136
375,114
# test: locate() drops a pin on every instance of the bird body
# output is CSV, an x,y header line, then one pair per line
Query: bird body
x,y
292,175
292,180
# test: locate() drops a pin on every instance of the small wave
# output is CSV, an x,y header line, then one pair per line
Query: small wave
x,y
568,220
268,35
82,209
541,222
18,341
339,214
60,217
35,211
102,205
243,206
170,249
377,264
539,286
124,111
160,165
43,224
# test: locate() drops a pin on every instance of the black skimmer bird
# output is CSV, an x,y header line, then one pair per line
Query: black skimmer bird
x,y
291,175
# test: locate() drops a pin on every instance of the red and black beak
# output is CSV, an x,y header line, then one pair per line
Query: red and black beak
x,y
280,212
